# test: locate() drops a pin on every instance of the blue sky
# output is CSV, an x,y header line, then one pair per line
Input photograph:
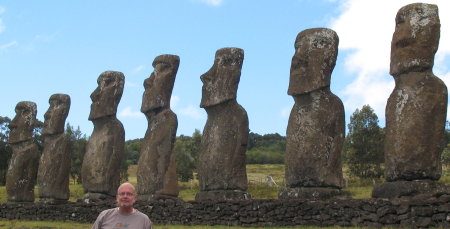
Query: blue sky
x,y
51,46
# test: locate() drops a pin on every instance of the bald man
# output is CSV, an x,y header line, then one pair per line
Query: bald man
x,y
124,216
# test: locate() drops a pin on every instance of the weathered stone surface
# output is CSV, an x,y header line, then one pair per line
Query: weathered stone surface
x,y
313,193
156,172
54,169
416,109
222,195
23,165
397,189
315,132
21,127
105,149
54,165
221,163
313,61
416,39
253,213
221,82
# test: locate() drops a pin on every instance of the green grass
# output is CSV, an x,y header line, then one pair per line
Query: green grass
x,y
360,192
257,187
42,224
3,196
76,192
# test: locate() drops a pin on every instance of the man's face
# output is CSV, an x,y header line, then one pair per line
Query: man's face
x,y
126,196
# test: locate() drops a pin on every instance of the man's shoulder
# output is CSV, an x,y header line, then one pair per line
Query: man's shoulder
x,y
141,214
110,211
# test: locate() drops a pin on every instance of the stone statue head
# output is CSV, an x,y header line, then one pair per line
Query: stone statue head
x,y
107,95
21,127
158,87
56,114
416,39
220,83
315,56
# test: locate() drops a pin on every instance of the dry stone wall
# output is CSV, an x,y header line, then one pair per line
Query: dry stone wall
x,y
420,211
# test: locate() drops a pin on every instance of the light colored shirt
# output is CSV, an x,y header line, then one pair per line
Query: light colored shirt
x,y
112,219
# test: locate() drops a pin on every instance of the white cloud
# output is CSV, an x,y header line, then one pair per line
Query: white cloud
x,y
128,113
285,112
193,112
2,10
174,101
138,68
45,37
372,89
2,26
8,45
131,84
212,2
446,78
366,35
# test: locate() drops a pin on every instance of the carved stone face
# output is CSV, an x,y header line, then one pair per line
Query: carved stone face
x,y
314,59
220,83
56,114
21,127
416,38
106,97
159,86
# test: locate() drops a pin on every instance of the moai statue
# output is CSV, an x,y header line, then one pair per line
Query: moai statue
x,y
416,109
316,128
221,163
24,162
54,166
156,171
105,148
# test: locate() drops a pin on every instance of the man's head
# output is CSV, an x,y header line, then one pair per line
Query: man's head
x,y
107,95
220,83
126,195
56,114
314,59
159,86
416,39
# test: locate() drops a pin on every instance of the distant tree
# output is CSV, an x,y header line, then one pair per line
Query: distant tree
x,y
78,142
124,168
266,149
186,150
194,146
37,134
5,148
445,156
132,153
363,148
133,150
273,141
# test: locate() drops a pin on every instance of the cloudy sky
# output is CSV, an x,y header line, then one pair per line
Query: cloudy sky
x,y
49,47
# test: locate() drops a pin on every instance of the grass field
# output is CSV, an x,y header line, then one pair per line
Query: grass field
x,y
257,177
258,188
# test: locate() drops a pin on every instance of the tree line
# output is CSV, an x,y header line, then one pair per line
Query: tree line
x,y
363,151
